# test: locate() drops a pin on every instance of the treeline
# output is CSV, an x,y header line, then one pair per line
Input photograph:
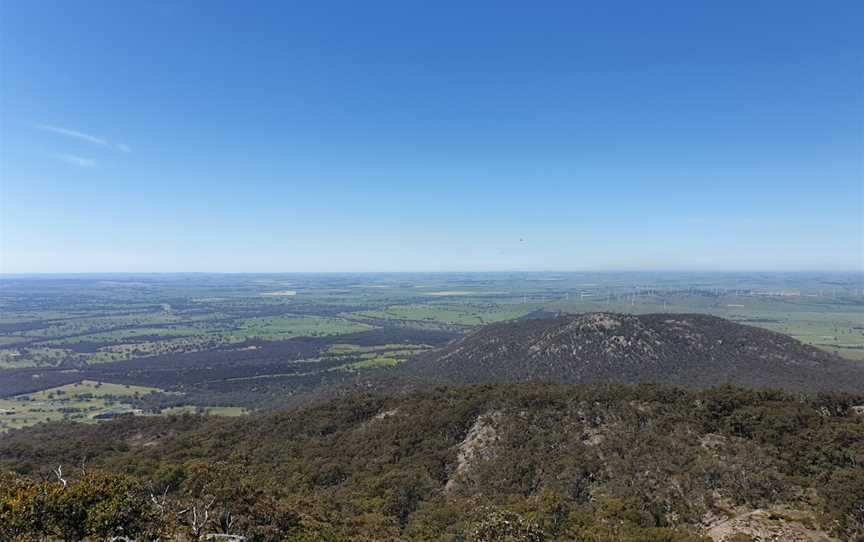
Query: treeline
x,y
521,462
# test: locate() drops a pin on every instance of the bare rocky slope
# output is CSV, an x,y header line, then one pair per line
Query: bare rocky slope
x,y
684,349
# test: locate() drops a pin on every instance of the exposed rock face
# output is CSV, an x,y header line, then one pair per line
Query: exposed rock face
x,y
477,446
685,349
385,414
759,525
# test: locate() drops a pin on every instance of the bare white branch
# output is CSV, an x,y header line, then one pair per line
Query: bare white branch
x,y
59,473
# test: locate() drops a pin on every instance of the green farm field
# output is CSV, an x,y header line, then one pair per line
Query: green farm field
x,y
83,401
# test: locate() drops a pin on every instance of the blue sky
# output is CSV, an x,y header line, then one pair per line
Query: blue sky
x,y
407,135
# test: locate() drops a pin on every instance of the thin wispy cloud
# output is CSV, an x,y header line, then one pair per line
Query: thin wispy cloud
x,y
76,160
81,136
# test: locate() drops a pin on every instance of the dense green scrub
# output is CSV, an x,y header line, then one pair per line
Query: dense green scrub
x,y
524,461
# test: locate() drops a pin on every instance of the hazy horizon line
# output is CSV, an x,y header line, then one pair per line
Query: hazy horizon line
x,y
415,271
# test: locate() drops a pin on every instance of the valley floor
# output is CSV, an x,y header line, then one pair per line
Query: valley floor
x,y
237,343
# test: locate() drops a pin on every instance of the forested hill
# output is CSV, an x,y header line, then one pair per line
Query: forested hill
x,y
530,461
691,350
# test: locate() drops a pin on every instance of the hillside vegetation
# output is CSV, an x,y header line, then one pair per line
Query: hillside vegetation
x,y
691,350
524,461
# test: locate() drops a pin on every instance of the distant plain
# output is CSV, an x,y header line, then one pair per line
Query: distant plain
x,y
87,347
